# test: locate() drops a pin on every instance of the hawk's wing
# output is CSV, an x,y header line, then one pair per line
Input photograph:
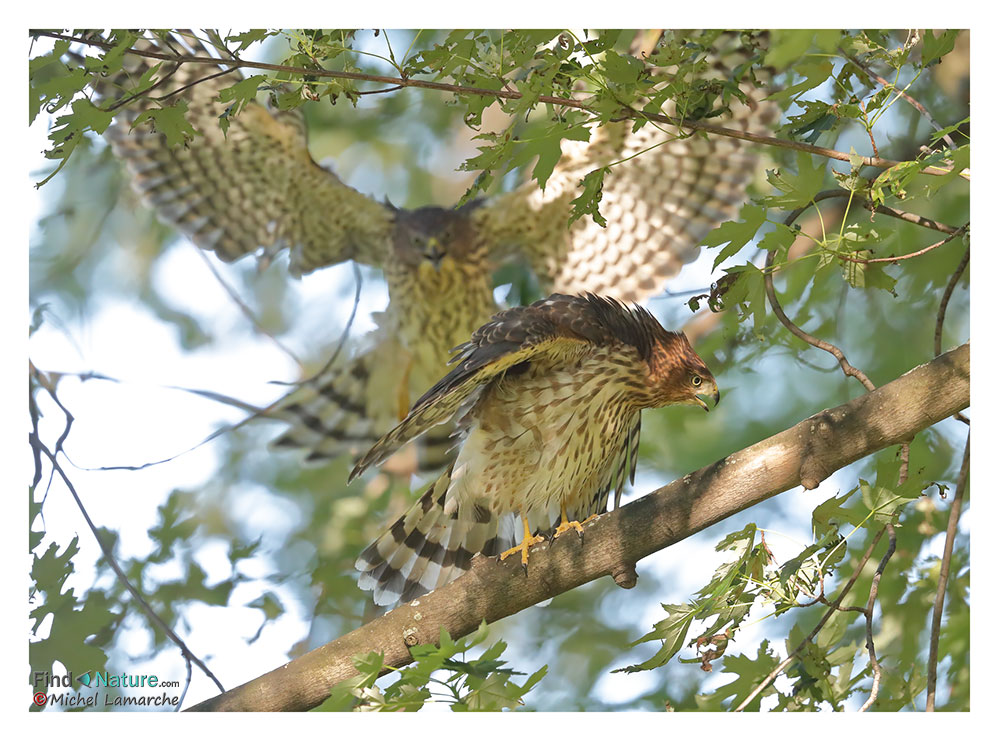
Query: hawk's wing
x,y
552,330
253,186
660,199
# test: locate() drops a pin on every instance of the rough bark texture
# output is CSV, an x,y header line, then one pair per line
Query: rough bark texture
x,y
802,455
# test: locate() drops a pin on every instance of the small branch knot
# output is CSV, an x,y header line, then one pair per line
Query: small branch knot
x,y
625,575
409,637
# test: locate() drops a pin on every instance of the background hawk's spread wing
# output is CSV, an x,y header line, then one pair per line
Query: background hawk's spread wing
x,y
254,185
551,330
662,195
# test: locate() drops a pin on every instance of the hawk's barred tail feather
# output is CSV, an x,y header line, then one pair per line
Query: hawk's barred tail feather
x,y
345,410
329,415
430,546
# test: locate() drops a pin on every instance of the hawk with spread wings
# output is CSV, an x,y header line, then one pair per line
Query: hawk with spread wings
x,y
256,188
549,399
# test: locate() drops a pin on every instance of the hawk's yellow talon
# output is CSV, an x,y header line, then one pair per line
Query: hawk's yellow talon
x,y
565,526
524,546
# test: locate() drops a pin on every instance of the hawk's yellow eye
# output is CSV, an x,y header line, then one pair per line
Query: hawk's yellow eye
x,y
695,380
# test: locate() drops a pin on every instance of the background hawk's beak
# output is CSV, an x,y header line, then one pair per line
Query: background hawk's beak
x,y
434,252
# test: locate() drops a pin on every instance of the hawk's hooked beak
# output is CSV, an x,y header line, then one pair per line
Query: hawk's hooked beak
x,y
434,252
700,398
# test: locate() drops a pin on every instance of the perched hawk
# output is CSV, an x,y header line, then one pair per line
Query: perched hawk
x,y
549,398
256,188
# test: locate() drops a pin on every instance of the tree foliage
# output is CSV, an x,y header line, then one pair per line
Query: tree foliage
x,y
858,228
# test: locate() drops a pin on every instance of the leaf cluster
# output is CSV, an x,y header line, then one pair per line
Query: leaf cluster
x,y
436,675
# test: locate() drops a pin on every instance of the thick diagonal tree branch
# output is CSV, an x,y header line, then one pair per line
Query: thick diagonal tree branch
x,y
804,455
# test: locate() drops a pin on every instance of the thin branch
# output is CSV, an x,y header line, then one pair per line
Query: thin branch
x,y
768,282
244,309
912,218
37,444
948,291
833,607
942,313
917,253
693,125
869,612
955,515
905,96
804,454
358,280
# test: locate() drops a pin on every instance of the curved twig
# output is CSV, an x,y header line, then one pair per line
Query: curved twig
x,y
942,311
911,218
768,282
955,515
244,309
869,612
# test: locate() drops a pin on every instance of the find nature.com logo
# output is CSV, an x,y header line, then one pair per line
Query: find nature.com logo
x,y
59,690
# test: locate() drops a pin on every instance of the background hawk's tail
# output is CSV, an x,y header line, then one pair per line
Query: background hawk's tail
x,y
346,409
330,415
428,547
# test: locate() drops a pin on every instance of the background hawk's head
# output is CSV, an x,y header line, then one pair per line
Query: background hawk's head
x,y
431,235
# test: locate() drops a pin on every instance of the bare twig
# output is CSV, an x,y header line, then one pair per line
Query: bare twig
x,y
869,612
904,452
955,515
693,125
942,311
45,379
346,329
187,684
244,309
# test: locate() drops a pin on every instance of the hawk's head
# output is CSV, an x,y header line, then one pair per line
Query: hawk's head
x,y
430,236
678,374
674,373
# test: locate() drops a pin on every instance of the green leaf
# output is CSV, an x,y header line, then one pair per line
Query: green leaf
x,y
548,149
588,200
935,47
169,121
830,515
736,234
672,632
748,292
960,160
269,604
799,188
622,69
815,74
749,674
248,38
778,240
954,128
241,93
